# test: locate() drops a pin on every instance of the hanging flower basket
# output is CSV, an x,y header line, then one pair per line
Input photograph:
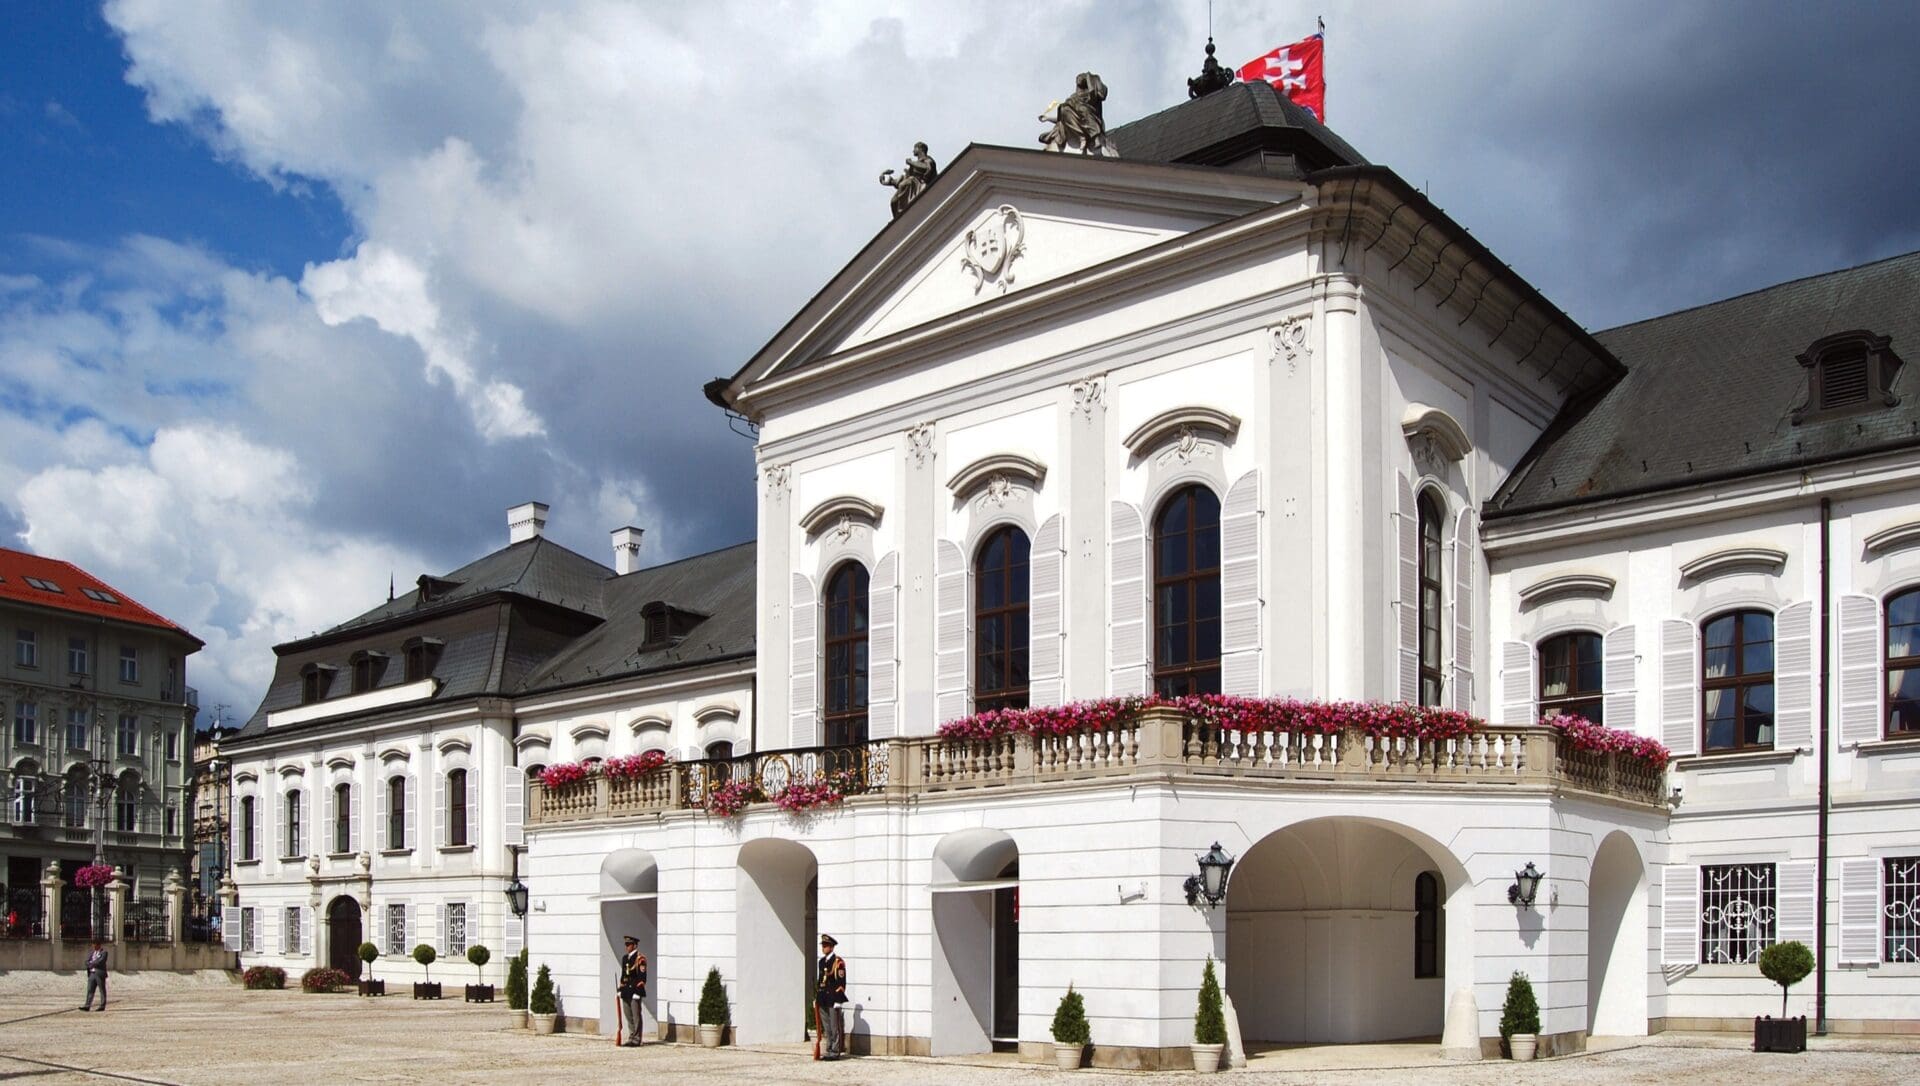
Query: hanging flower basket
x,y
729,799
1584,735
93,876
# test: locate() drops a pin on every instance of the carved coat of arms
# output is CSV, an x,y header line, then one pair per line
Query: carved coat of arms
x,y
993,246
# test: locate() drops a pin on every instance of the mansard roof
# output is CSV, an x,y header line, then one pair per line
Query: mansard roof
x,y
1710,393
536,568
1247,126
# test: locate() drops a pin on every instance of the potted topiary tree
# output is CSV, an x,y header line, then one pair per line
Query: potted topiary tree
x,y
543,1006
1071,1034
1209,1024
517,989
479,956
715,1015
368,986
426,989
1785,964
1520,1018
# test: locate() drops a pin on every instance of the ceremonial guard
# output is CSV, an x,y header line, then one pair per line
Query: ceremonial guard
x,y
633,990
828,993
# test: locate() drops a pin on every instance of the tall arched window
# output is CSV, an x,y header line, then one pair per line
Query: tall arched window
x,y
1000,621
1737,681
1570,676
1426,925
1431,516
249,843
1186,594
1903,663
846,651
396,812
343,817
76,796
457,807
126,803
292,846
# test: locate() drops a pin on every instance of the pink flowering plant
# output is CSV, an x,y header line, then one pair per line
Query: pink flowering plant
x,y
1070,719
562,774
93,875
1583,734
730,798
828,791
632,767
1379,719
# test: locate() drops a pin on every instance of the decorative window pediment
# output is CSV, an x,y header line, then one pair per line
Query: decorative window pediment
x,y
588,731
833,511
716,711
1436,437
1182,424
649,723
340,761
1005,465
1733,560
1898,537
395,754
532,737
455,742
1566,586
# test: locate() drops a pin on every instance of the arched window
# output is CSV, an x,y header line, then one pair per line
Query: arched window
x,y
396,812
343,817
1186,594
1000,621
126,804
249,843
1737,681
720,750
457,807
846,649
76,795
1903,663
1430,565
1426,925
293,847
1570,676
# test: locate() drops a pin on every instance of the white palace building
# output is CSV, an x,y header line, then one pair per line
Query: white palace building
x,y
1233,412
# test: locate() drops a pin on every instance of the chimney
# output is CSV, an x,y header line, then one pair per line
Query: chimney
x,y
626,549
526,521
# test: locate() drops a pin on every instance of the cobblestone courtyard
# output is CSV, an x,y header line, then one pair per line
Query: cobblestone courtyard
x,y
205,1029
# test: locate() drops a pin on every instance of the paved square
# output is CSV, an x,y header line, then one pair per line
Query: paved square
x,y
206,1029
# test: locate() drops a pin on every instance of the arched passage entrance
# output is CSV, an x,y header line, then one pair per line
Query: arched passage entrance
x,y
1334,936
1617,940
976,941
629,905
773,940
344,935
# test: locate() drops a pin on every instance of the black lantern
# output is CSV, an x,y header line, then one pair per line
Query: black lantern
x,y
516,892
1526,883
1210,885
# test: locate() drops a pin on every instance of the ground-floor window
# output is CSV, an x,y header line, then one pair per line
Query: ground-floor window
x,y
249,931
396,929
1738,911
290,941
1900,915
456,929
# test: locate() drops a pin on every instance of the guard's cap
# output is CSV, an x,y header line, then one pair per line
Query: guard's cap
x,y
828,940
631,941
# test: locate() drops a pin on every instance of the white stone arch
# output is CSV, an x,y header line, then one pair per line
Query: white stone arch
x,y
1617,940
975,872
629,905
775,896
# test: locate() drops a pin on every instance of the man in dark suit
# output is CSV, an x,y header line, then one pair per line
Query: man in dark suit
x,y
96,976
828,993
633,990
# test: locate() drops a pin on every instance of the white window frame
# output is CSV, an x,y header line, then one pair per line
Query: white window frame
x,y
129,664
26,723
249,930
1734,897
80,726
77,654
26,648
457,944
396,913
290,935
126,736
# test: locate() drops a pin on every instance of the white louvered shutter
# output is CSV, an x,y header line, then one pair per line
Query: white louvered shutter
x,y
1045,647
383,814
1860,911
309,822
230,927
513,934
233,830
264,810
1793,901
1793,677
1465,561
306,934
328,842
949,632
883,609
439,808
440,935
1240,588
513,807
803,664
1407,534
1679,687
1620,661
1516,683
1128,605
353,818
1680,915
474,821
1860,660
266,929
412,813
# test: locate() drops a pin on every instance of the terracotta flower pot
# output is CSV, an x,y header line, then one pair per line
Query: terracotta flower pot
x,y
1067,1057
543,1023
1523,1045
711,1036
1206,1058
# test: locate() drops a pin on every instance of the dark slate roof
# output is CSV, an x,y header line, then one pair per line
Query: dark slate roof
x,y
1710,392
536,568
1230,128
719,584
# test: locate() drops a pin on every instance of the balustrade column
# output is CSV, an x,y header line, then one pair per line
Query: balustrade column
x,y
53,891
174,893
116,910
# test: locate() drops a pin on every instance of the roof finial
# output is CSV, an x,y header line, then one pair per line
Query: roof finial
x,y
1213,76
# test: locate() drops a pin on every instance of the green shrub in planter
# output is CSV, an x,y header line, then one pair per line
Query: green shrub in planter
x,y
1521,1012
1786,964
479,956
425,955
713,1001
1210,1021
543,1001
1070,1020
369,954
324,979
263,977
517,982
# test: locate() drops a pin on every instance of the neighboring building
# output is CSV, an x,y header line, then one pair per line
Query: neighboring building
x,y
211,794
1240,412
93,690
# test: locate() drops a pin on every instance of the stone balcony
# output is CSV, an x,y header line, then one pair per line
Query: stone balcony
x,y
1158,744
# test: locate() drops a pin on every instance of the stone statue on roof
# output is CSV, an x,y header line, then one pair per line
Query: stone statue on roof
x,y
921,171
1079,123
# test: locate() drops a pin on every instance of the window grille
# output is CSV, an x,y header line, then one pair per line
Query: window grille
x,y
248,931
396,929
1737,912
292,939
1902,909
456,929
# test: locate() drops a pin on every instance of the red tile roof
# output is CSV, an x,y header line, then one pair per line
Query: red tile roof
x,y
78,590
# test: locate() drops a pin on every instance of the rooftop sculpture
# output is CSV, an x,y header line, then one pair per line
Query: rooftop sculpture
x,y
921,171
1213,76
1079,123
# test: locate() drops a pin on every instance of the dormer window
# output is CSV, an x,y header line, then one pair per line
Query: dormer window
x,y
1847,373
433,588
656,628
315,681
422,656
368,667
663,624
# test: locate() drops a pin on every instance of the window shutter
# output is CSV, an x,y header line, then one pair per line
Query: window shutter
x,y
1240,588
1679,687
1044,645
1619,662
1408,532
383,813
233,830
1793,677
306,934
230,927
1516,683
949,632
473,806
263,813
883,608
1860,664
439,809
1794,900
513,934
440,935
327,839
514,807
1680,915
309,828
1465,561
266,929
413,810
1860,911
803,664
353,819
1128,606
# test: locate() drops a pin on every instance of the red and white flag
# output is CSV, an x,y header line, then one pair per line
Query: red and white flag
x,y
1295,71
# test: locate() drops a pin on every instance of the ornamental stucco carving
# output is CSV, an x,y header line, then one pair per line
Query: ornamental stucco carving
x,y
777,477
1290,341
1186,448
1428,459
920,443
1089,395
997,491
993,246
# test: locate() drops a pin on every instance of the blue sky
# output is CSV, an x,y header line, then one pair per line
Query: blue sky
x,y
295,298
